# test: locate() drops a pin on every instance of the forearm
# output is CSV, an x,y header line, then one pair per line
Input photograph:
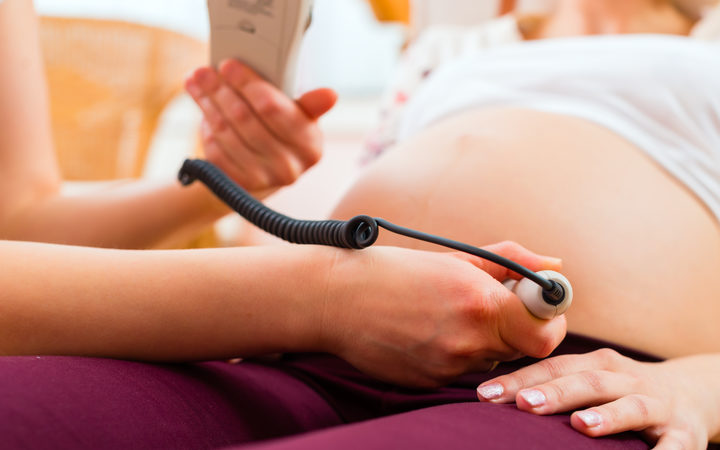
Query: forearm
x,y
27,161
160,305
135,214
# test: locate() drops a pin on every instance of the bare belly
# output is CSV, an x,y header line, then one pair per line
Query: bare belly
x,y
641,250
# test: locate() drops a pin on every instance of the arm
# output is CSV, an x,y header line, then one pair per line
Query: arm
x,y
31,206
411,317
676,403
130,215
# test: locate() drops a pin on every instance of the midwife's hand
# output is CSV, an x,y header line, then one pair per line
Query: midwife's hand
x,y
252,131
423,318
674,403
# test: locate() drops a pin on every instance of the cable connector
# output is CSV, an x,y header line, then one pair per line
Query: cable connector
x,y
543,303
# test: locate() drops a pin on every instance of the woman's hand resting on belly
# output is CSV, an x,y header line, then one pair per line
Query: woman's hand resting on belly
x,y
446,317
674,403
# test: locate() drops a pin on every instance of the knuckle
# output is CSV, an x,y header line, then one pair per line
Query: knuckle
x,y
483,311
594,380
267,107
553,367
508,247
239,113
213,153
609,358
546,343
284,179
256,180
285,173
459,347
313,156
557,391
512,246
639,404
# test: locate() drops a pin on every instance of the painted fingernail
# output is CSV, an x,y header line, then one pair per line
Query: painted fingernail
x,y
490,391
534,397
590,418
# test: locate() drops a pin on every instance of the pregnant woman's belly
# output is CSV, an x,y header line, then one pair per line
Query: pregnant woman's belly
x,y
641,250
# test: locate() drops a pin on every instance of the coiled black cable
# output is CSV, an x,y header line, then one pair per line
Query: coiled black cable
x,y
357,233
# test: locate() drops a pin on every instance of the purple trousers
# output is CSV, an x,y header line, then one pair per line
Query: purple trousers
x,y
310,401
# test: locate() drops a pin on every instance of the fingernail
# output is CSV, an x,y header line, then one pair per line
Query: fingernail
x,y
207,80
236,72
490,391
551,261
193,89
590,418
534,397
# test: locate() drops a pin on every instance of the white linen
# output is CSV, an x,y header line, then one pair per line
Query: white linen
x,y
662,93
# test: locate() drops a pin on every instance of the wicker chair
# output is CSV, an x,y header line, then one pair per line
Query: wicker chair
x,y
109,83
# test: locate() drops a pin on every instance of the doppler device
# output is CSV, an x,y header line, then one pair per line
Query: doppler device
x,y
266,35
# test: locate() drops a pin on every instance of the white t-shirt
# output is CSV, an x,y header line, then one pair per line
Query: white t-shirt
x,y
660,92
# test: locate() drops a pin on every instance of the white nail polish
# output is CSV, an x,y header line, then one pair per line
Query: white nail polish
x,y
590,418
534,397
491,391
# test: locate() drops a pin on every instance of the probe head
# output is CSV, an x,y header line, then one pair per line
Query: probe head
x,y
544,304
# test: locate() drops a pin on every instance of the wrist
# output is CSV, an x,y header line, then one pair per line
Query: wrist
x,y
206,201
313,321
337,312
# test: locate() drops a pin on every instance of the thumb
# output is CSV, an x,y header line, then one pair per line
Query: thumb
x,y
514,252
527,334
318,102
506,6
517,327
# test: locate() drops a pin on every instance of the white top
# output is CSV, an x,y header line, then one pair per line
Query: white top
x,y
662,93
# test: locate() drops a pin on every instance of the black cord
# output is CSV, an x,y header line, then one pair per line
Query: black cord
x,y
497,259
357,233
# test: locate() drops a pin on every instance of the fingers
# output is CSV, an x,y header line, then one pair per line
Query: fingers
x,y
526,333
517,327
504,389
517,253
318,102
632,412
678,440
507,6
282,116
262,140
279,159
592,387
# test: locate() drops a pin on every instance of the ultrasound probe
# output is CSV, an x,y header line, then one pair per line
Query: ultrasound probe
x,y
546,294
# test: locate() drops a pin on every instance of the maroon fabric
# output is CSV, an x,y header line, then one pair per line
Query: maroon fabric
x,y
85,403
76,403
459,426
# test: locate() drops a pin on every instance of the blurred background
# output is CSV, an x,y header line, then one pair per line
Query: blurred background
x,y
126,58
